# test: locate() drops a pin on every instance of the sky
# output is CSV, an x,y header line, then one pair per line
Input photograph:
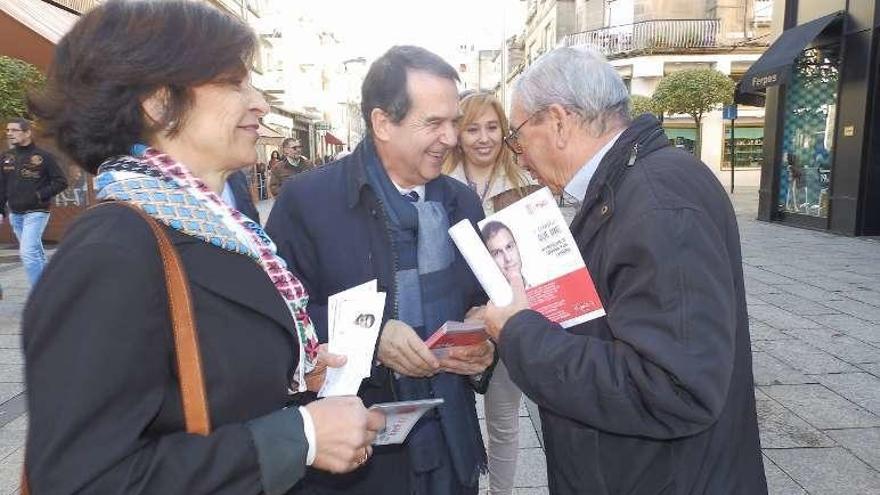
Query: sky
x,y
369,27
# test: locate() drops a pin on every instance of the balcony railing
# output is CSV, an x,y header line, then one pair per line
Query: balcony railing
x,y
650,36
80,6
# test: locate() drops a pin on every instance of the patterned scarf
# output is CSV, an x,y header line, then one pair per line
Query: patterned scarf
x,y
167,191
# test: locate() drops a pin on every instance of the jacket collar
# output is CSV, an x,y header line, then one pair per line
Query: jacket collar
x,y
356,170
646,132
643,136
355,174
25,149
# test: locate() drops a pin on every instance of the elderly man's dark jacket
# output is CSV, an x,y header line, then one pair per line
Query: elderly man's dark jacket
x,y
331,227
657,397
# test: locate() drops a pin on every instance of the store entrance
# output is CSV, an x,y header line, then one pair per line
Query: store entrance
x,y
807,158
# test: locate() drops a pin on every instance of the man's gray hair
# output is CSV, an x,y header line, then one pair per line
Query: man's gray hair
x,y
580,80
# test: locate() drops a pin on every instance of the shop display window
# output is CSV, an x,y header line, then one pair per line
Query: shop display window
x,y
749,149
682,137
806,160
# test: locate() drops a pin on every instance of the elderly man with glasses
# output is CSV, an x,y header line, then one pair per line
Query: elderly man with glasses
x,y
656,397
291,164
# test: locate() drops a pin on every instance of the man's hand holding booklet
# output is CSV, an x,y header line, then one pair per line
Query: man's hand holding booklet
x,y
456,334
530,241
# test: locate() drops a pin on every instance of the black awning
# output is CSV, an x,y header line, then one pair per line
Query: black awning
x,y
774,66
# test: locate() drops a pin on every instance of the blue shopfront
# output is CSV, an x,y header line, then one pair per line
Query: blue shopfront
x,y
821,159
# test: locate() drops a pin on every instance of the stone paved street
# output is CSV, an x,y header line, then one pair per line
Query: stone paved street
x,y
814,304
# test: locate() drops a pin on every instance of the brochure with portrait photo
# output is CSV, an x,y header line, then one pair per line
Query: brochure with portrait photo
x,y
532,238
354,317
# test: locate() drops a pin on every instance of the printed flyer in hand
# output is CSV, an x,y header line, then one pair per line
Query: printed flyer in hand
x,y
531,237
400,417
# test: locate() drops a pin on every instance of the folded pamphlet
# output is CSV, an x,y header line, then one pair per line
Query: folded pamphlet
x,y
400,417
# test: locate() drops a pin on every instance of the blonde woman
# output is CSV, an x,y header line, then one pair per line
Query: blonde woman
x,y
488,168
480,160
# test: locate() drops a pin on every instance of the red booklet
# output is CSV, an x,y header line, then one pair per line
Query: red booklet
x,y
457,334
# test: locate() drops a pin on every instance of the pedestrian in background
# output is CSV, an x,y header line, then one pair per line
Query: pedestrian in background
x,y
154,98
481,162
658,396
29,179
274,157
292,162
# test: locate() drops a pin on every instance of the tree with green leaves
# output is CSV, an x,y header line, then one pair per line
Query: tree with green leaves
x,y
642,104
17,77
694,92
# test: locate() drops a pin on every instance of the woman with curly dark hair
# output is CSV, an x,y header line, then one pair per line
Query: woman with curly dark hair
x,y
154,98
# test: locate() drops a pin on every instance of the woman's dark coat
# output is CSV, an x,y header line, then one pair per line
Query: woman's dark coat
x,y
103,396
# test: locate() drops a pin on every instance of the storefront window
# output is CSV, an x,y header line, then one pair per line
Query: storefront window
x,y
749,147
808,133
682,137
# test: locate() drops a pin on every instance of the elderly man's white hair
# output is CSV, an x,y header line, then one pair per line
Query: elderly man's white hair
x,y
580,80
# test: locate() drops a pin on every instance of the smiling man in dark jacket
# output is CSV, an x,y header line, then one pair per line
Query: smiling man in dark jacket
x,y
383,213
657,397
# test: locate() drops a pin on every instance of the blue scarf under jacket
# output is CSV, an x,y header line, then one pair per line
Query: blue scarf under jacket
x,y
428,296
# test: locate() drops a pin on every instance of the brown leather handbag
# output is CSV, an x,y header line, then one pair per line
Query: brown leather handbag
x,y
186,342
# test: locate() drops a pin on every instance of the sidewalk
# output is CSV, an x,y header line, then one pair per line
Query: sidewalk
x,y
814,304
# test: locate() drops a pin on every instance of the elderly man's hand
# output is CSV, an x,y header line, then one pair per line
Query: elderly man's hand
x,y
495,316
401,349
344,432
468,360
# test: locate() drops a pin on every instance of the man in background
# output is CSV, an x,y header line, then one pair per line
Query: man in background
x,y
29,179
292,163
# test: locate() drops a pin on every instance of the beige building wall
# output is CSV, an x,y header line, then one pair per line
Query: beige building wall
x,y
590,15
547,21
743,19
646,10
645,73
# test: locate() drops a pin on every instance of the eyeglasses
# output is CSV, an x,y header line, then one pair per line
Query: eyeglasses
x,y
512,137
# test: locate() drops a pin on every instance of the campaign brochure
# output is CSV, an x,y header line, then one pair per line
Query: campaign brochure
x,y
531,237
353,320
400,417
456,334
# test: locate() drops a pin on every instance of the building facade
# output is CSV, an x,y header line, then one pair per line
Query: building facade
x,y
29,30
547,22
646,40
821,162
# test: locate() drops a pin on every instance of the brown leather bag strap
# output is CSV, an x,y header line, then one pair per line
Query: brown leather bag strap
x,y
186,342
